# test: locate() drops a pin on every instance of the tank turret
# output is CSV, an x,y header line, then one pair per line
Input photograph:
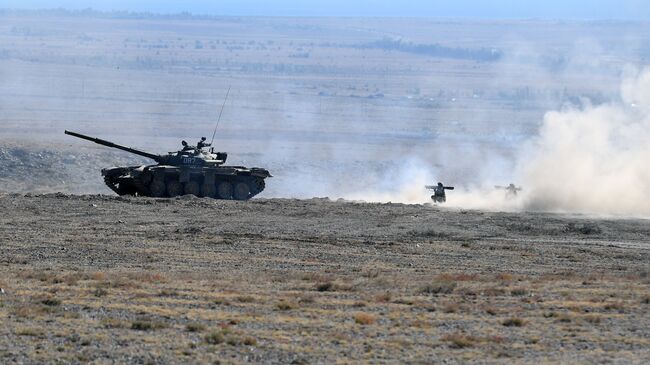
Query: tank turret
x,y
192,170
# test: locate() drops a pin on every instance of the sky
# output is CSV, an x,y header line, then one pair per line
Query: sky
x,y
487,9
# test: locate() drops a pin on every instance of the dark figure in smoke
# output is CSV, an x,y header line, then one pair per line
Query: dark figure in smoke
x,y
439,195
511,190
202,144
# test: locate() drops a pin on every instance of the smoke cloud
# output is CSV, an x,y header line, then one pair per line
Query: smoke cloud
x,y
593,159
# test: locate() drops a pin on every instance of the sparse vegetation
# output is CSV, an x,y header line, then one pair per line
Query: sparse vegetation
x,y
225,335
30,331
246,299
109,322
459,340
513,322
450,307
438,287
147,325
100,292
518,292
284,305
328,286
210,302
215,337
195,327
585,228
365,319
52,302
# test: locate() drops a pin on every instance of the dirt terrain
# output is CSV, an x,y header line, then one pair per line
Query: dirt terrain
x,y
108,279
338,107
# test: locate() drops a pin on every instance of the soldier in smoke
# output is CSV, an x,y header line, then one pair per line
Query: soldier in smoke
x,y
439,195
511,190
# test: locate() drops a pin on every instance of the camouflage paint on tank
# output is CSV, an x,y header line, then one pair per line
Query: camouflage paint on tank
x,y
193,170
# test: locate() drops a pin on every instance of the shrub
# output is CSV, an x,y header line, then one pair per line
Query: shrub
x,y
383,298
52,302
108,322
221,301
518,292
458,340
513,322
592,318
168,293
586,228
563,318
504,277
146,325
438,287
283,305
34,332
246,299
327,286
225,336
215,337
364,319
195,327
450,308
615,306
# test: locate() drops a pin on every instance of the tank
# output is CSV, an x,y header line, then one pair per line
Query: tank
x,y
194,170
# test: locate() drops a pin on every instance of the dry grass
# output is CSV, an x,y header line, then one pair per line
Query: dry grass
x,y
327,286
195,327
365,313
438,287
513,322
450,307
215,337
518,291
30,331
227,336
284,305
365,319
406,314
459,340
109,322
147,325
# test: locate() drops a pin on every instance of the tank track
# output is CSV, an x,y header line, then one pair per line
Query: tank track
x,y
142,189
127,185
257,186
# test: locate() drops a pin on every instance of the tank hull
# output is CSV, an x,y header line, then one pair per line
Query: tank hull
x,y
220,182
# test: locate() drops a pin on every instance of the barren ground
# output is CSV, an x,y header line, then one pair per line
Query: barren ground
x,y
109,279
93,278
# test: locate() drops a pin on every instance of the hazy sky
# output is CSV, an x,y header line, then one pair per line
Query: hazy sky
x,y
548,9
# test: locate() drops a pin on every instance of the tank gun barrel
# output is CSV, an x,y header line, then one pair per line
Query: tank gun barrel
x,y
102,142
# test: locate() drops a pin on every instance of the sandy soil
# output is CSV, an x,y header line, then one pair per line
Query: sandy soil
x,y
110,279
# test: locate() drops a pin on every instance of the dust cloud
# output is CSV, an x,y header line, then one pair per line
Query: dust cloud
x,y
593,159
590,159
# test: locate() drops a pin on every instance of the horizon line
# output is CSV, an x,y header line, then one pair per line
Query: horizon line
x,y
90,11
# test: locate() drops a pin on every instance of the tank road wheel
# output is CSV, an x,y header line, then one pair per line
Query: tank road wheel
x,y
192,188
224,189
174,188
242,191
209,190
157,189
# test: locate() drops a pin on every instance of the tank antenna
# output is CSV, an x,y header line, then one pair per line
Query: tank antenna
x,y
218,120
